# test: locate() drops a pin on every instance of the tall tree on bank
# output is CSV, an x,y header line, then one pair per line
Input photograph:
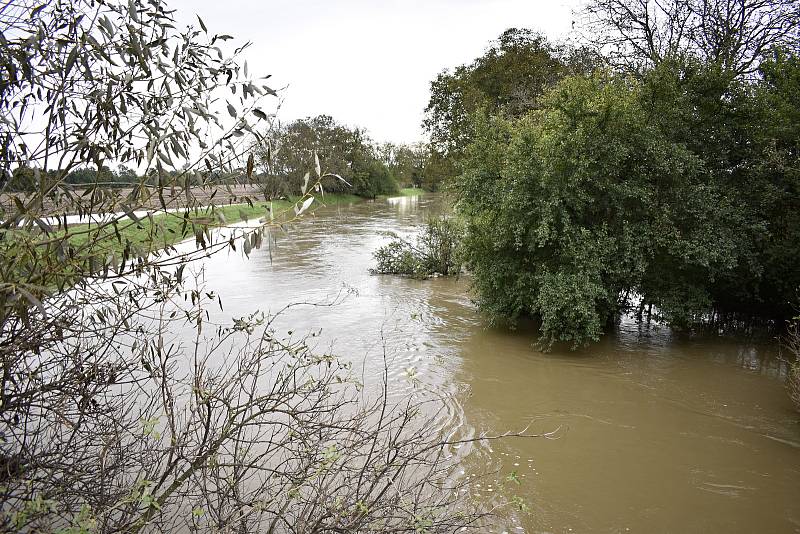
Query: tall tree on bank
x,y
347,152
508,78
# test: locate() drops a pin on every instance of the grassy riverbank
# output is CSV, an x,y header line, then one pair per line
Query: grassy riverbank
x,y
411,192
405,192
164,229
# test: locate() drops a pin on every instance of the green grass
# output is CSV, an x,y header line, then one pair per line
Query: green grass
x,y
90,246
165,229
411,191
405,192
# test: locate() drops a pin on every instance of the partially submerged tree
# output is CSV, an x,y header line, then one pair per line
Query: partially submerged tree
x,y
567,208
675,187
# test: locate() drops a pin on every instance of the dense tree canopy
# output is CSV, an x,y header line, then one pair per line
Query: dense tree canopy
x,y
347,152
673,185
568,206
509,78
405,162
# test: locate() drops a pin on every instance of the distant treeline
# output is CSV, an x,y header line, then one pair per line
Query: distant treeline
x,y
370,168
27,179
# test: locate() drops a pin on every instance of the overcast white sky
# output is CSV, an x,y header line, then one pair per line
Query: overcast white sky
x,y
368,63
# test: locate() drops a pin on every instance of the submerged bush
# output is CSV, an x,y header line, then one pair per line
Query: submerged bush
x,y
792,340
680,187
434,252
794,384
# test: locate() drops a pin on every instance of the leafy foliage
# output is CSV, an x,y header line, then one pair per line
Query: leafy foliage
x,y
406,163
419,165
508,78
342,151
562,206
372,178
435,251
669,181
619,189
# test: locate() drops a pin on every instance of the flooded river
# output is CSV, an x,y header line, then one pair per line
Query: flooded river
x,y
656,432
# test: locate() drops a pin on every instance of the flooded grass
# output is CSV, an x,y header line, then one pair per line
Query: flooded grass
x,y
164,229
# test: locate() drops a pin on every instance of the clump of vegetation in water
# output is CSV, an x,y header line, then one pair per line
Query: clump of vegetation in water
x,y
794,383
792,341
435,251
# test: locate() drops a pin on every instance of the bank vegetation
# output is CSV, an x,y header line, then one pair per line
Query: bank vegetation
x,y
656,165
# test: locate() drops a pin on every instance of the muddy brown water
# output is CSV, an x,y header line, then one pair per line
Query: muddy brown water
x,y
655,432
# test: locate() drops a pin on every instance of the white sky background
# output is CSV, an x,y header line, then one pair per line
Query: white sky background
x,y
368,63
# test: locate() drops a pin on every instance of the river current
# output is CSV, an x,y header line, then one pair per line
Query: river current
x,y
654,431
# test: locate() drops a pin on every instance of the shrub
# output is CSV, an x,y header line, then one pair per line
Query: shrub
x,y
434,252
792,341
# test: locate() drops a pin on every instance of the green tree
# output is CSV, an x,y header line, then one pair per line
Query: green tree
x,y
437,172
570,206
509,77
678,190
126,175
23,179
407,163
672,186
764,173
342,151
371,178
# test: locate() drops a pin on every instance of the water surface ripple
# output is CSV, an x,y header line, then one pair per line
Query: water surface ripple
x,y
659,432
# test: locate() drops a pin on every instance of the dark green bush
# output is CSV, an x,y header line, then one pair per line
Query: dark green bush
x,y
372,178
681,187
